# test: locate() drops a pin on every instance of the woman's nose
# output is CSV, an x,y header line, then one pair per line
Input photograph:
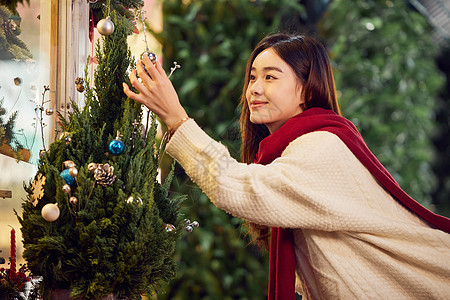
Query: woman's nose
x,y
256,88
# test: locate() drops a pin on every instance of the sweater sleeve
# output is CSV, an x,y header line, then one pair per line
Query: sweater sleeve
x,y
315,184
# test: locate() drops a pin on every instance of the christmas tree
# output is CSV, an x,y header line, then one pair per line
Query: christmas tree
x,y
11,47
7,128
9,144
96,220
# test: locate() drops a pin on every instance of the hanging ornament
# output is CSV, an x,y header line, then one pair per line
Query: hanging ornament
x,y
42,153
92,166
68,164
79,84
17,81
116,146
66,188
73,200
69,179
152,56
73,172
80,88
106,26
38,188
103,173
66,137
50,212
189,227
170,228
49,111
131,199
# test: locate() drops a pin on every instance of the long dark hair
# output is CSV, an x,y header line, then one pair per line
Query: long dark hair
x,y
309,60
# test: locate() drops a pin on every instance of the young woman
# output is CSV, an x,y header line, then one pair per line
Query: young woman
x,y
339,222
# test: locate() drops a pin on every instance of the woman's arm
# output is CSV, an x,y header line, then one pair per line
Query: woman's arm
x,y
312,185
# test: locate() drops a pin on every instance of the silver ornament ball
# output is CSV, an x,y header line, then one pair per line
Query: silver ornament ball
x,y
105,26
152,56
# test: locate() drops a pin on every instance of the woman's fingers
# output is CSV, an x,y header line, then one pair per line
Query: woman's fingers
x,y
143,90
150,67
131,94
156,91
136,83
142,73
160,69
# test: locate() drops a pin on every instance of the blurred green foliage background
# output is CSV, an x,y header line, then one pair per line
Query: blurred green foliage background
x,y
388,83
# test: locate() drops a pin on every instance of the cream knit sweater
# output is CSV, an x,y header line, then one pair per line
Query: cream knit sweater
x,y
352,239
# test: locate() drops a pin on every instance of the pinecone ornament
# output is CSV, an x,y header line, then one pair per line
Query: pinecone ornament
x,y
103,173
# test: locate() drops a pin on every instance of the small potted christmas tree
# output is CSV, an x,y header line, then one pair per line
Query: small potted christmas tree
x,y
96,222
9,145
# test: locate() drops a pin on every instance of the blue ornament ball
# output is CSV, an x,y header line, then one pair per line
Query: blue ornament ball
x,y
67,178
116,147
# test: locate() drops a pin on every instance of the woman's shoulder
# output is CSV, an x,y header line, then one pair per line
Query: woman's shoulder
x,y
316,141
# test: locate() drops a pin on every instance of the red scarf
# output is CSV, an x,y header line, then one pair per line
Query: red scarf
x,y
282,256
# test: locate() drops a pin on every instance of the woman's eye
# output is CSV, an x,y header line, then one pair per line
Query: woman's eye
x,y
269,77
252,77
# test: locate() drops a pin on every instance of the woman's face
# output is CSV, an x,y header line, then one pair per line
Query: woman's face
x,y
274,92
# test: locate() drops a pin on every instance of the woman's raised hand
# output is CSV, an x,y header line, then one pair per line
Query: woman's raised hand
x,y
156,91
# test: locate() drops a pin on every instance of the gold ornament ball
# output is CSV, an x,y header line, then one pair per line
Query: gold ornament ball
x,y
68,164
63,135
73,200
49,111
66,188
79,80
17,81
92,166
42,153
105,26
50,212
73,172
80,88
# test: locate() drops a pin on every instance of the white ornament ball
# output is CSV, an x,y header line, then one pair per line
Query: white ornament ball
x,y
105,26
50,212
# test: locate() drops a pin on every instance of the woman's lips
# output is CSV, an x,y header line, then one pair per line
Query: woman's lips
x,y
257,104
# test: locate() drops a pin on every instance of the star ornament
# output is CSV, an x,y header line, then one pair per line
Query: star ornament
x,y
38,188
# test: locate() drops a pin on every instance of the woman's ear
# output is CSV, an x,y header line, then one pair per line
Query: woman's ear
x,y
301,96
